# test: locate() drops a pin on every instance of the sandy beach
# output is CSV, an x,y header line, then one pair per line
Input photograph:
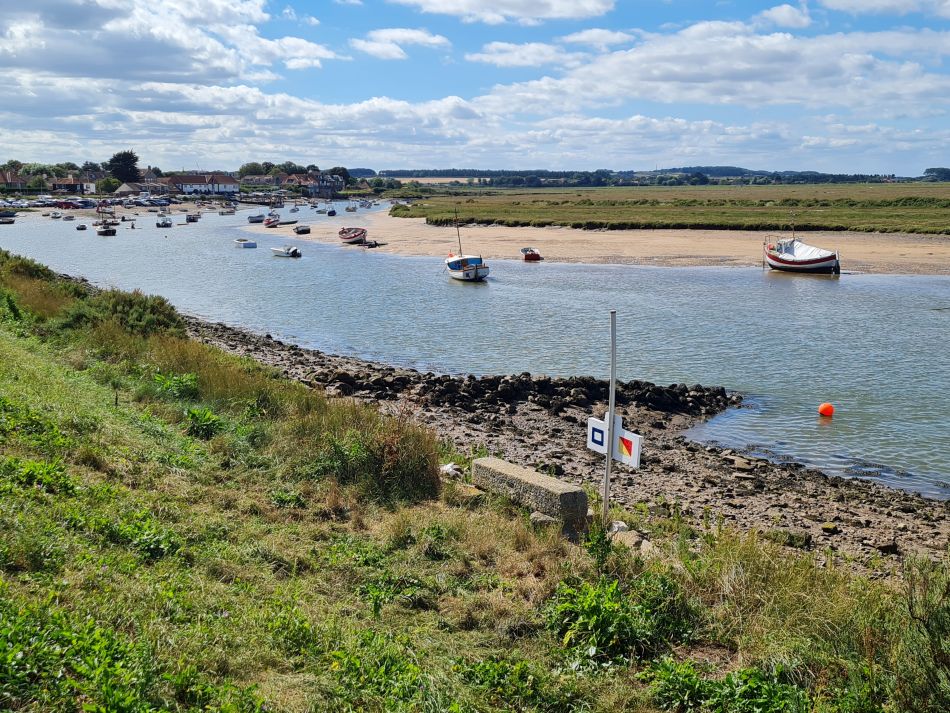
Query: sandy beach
x,y
860,252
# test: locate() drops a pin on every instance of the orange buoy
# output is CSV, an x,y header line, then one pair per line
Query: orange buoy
x,y
826,409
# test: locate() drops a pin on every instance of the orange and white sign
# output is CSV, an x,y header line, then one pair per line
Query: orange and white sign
x,y
626,445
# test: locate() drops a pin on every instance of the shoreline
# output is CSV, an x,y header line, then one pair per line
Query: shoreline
x,y
537,421
882,253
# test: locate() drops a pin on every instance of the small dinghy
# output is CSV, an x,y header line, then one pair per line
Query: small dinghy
x,y
81,226
164,223
531,255
287,251
792,255
259,218
105,231
302,229
245,243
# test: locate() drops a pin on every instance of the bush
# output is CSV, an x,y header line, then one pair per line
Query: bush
x,y
177,386
203,423
600,622
923,673
48,476
135,312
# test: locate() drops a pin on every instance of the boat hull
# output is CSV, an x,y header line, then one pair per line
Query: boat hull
x,y
827,265
470,274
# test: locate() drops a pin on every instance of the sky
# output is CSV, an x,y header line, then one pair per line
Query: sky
x,y
841,86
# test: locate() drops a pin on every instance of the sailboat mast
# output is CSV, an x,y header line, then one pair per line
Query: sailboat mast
x,y
457,231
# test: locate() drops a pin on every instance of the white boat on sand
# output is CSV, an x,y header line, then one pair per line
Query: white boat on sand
x,y
352,236
245,243
792,255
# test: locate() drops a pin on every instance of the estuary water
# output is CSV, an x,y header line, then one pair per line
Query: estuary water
x,y
876,346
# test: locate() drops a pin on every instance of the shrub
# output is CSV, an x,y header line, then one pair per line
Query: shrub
x,y
177,386
203,423
923,672
517,685
677,686
135,312
600,622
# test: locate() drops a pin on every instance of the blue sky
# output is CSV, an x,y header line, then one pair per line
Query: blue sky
x,y
828,85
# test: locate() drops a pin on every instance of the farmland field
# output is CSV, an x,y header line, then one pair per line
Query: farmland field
x,y
887,208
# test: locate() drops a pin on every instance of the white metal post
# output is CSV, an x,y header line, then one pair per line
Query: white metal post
x,y
611,401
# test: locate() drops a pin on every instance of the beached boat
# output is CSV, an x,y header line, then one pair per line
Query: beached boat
x,y
7,214
284,222
352,236
55,214
226,211
259,218
245,243
6,221
192,217
287,251
468,268
105,230
531,255
69,217
302,229
792,255
350,209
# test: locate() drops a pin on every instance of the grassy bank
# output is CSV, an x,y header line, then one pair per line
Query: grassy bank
x,y
183,530
888,208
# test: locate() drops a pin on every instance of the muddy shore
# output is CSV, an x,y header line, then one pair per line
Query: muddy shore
x,y
540,422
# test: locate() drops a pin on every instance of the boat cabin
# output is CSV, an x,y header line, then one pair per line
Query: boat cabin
x,y
463,262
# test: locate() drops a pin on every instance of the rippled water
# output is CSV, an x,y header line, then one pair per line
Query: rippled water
x,y
874,345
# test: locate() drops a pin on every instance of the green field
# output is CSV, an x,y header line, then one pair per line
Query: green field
x,y
888,208
183,530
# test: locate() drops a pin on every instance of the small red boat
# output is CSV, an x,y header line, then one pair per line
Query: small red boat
x,y
531,255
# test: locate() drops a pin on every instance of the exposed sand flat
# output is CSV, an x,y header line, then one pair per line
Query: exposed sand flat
x,y
860,252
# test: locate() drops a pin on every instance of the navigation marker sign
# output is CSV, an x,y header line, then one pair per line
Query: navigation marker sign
x,y
627,445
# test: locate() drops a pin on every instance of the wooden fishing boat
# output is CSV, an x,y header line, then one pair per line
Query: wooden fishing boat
x,y
352,236
792,255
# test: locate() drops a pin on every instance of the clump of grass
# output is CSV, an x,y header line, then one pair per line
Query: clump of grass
x,y
21,424
43,298
203,422
138,530
134,312
177,386
516,684
48,476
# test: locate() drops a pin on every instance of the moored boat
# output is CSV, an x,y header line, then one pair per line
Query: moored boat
x,y
352,236
105,230
164,223
792,255
287,251
531,255
271,221
467,268
69,217
259,218
81,226
192,217
245,243
6,221
302,229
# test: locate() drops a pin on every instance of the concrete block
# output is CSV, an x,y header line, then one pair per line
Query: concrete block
x,y
566,502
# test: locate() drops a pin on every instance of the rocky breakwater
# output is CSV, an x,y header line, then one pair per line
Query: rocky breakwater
x,y
539,421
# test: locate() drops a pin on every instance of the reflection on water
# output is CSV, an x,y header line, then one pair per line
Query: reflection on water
x,y
873,345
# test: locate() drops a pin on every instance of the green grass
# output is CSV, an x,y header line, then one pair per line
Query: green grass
x,y
300,555
890,208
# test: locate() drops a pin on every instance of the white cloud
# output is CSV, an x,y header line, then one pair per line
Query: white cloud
x,y
601,39
941,8
525,11
289,13
531,54
387,43
786,16
311,20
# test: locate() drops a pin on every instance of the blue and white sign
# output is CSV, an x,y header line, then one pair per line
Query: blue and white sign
x,y
626,447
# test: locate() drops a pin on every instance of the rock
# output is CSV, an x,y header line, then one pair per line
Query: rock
x,y
791,537
648,549
830,528
628,538
888,547
540,521
617,526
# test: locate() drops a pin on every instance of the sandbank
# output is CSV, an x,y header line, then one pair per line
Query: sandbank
x,y
893,253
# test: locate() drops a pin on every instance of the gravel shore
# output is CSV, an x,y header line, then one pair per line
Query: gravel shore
x,y
541,422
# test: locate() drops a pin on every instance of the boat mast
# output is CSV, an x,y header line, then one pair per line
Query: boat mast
x,y
457,231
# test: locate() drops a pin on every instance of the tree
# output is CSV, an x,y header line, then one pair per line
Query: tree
x,y
938,174
313,168
12,165
157,171
68,166
123,166
341,171
291,167
107,185
37,183
90,167
251,169
266,167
